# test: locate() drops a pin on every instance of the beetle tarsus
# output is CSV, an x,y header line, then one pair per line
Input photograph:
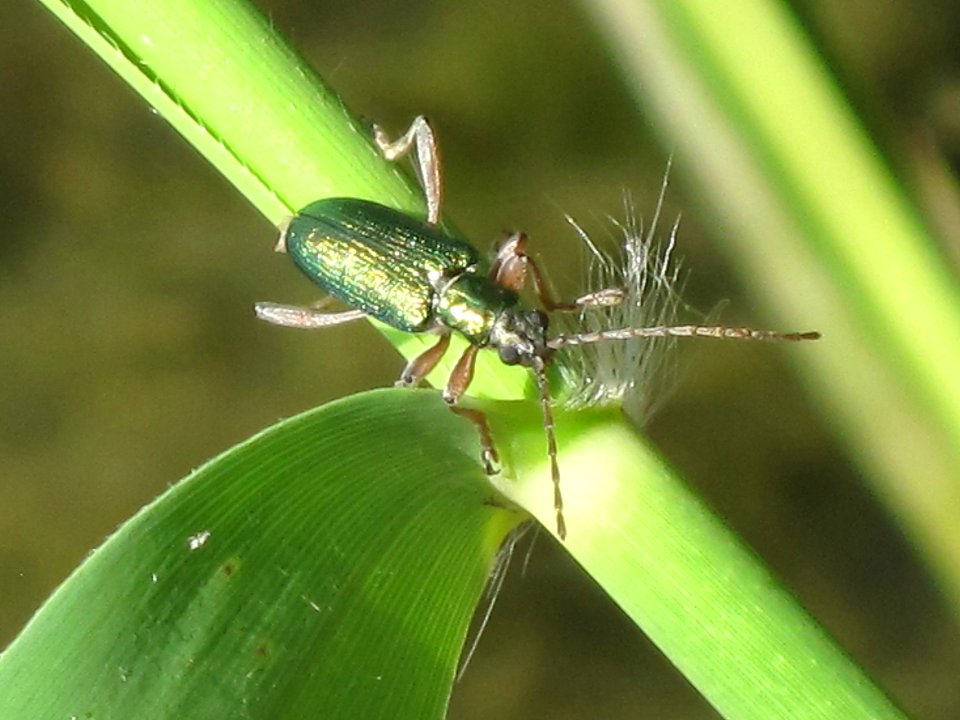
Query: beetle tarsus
x,y
488,450
419,137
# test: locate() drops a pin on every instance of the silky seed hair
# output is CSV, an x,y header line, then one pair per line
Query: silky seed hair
x,y
636,372
606,372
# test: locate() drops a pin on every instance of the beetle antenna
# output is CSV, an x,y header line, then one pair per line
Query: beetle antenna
x,y
711,331
546,406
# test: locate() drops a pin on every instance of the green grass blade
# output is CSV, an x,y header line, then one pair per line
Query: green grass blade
x,y
232,87
218,72
335,563
818,226
679,574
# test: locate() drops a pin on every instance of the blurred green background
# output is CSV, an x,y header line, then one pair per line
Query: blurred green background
x,y
129,352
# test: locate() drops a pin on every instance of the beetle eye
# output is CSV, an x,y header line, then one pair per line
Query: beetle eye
x,y
543,319
509,354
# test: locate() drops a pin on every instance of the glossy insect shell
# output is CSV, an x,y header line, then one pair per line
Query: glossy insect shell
x,y
376,259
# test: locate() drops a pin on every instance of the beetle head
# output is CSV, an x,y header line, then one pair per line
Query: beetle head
x,y
520,337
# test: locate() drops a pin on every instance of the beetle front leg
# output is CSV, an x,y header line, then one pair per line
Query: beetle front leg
x,y
420,138
510,267
608,297
462,375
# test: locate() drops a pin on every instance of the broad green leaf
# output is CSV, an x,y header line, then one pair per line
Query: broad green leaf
x,y
327,567
334,562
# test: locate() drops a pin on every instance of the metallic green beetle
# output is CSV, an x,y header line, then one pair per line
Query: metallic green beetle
x,y
416,277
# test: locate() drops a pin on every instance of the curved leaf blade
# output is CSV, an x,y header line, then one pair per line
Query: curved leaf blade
x,y
331,562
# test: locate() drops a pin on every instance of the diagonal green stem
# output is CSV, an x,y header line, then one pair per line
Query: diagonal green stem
x,y
682,576
218,72
817,225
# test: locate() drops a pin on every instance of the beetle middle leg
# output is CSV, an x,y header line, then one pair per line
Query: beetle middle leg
x,y
509,269
419,138
424,363
460,378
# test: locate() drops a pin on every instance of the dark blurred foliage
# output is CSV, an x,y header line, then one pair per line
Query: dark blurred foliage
x,y
129,353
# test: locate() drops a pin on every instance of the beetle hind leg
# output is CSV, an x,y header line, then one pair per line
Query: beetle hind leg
x,y
420,139
303,317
